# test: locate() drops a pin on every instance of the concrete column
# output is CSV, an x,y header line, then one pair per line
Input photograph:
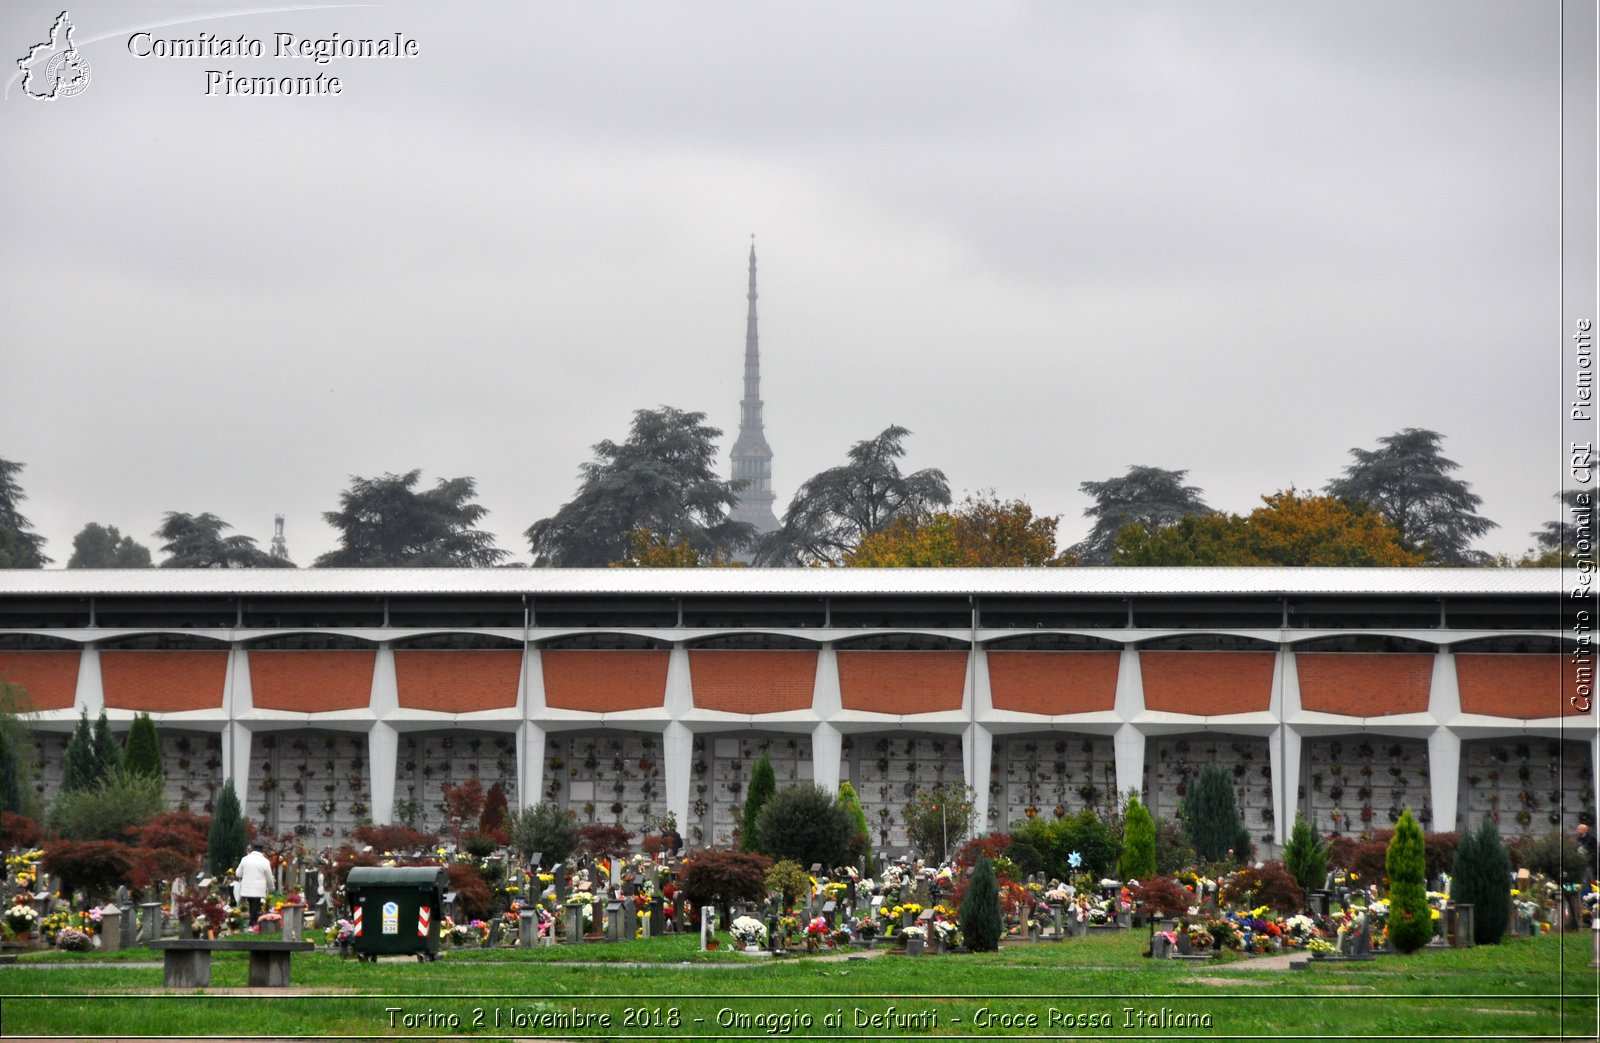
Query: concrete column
x,y
530,764
90,694
1286,685
979,698
1444,778
236,742
977,749
1444,692
385,697
1283,749
1130,685
677,769
533,703
1128,745
383,750
827,747
680,682
825,698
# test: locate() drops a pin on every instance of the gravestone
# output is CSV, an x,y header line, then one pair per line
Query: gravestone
x,y
294,921
658,917
149,922
708,923
110,927
527,928
574,924
630,918
613,921
1462,939
830,913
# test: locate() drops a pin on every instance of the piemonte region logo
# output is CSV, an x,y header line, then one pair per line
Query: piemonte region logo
x,y
54,69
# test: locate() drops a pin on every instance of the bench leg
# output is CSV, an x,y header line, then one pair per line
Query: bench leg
x,y
269,970
187,968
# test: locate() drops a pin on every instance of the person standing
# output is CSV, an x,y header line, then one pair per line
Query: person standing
x,y
254,876
1586,842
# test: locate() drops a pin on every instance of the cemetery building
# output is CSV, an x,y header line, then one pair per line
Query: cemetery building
x,y
336,696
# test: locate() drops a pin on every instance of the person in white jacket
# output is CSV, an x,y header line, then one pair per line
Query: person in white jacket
x,y
254,876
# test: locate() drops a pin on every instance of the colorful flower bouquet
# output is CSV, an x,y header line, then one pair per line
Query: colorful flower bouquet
x,y
21,918
71,939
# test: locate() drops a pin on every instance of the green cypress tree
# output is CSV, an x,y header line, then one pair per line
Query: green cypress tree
x,y
852,804
1211,816
1138,861
107,751
763,784
10,796
1482,875
981,924
1410,921
227,839
17,753
78,763
1305,856
142,754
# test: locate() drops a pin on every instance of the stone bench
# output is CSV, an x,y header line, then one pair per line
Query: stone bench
x,y
186,962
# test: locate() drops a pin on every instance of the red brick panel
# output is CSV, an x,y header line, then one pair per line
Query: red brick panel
x,y
457,681
163,682
1053,682
1517,685
753,682
50,678
1364,684
311,682
1207,684
902,682
604,682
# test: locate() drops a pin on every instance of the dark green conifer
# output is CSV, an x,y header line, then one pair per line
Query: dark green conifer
x,y
763,784
1481,875
142,754
227,839
981,924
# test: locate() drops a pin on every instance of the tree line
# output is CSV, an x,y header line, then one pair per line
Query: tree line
x,y
656,500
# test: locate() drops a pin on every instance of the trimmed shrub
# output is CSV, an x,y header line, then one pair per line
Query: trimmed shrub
x,y
1269,884
604,840
1138,860
107,810
1410,920
474,898
1025,857
93,866
1159,896
763,785
1555,855
980,919
790,880
1482,876
805,825
715,877
1305,856
545,830
396,838
227,838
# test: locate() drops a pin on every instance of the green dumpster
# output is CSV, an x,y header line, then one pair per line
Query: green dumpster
x,y
397,910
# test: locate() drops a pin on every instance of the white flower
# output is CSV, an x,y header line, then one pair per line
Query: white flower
x,y
749,930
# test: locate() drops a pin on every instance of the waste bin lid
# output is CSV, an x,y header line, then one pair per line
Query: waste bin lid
x,y
398,876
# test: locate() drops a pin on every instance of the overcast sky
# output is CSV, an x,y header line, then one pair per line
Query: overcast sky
x,y
1051,239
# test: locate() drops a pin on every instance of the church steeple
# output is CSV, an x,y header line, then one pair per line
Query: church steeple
x,y
751,456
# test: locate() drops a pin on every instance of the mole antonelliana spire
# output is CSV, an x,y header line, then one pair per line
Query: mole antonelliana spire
x,y
752,457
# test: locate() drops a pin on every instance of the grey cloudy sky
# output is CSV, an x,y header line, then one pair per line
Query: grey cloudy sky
x,y
1052,239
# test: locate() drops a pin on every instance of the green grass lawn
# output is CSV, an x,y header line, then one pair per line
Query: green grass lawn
x,y
1539,988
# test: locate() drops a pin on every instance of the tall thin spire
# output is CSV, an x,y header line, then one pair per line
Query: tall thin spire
x,y
751,456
